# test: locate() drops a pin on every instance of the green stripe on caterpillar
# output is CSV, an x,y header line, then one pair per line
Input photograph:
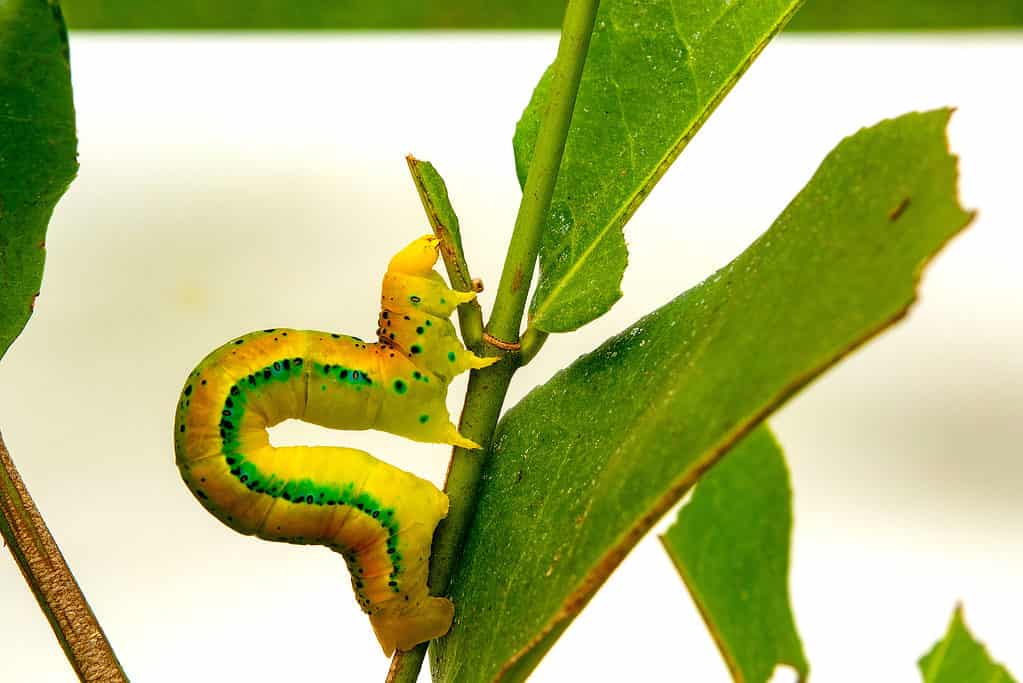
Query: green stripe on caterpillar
x,y
378,517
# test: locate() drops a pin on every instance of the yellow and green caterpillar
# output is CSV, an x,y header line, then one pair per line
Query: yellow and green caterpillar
x,y
380,518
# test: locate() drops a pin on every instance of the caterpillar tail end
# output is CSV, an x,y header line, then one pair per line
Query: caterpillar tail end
x,y
404,631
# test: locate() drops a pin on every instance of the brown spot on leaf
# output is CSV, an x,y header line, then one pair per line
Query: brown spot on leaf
x,y
899,209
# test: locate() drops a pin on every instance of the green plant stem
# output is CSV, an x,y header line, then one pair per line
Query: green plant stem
x,y
51,581
483,402
488,387
484,399
543,172
532,341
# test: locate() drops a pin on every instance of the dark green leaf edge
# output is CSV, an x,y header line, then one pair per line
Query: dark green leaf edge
x,y
527,657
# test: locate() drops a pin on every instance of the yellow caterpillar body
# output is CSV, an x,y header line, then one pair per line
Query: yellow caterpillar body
x,y
380,518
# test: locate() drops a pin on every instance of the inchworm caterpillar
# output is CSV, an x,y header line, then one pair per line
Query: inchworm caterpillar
x,y
379,518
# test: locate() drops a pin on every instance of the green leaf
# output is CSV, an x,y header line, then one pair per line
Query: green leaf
x,y
654,72
730,544
959,658
433,192
434,195
37,149
585,464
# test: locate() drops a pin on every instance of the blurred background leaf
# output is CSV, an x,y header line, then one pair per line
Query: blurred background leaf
x,y
959,658
730,544
817,15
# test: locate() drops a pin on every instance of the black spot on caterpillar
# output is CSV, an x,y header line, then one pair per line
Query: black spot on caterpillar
x,y
379,518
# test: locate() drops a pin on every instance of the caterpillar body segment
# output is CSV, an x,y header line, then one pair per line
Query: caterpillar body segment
x,y
378,517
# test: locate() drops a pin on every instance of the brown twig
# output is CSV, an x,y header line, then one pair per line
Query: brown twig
x,y
55,588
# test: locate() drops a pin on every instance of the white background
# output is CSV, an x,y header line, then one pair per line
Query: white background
x,y
235,183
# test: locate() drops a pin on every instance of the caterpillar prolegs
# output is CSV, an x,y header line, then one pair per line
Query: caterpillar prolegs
x,y
379,518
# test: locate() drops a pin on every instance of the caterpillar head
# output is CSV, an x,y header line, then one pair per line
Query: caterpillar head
x,y
418,258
